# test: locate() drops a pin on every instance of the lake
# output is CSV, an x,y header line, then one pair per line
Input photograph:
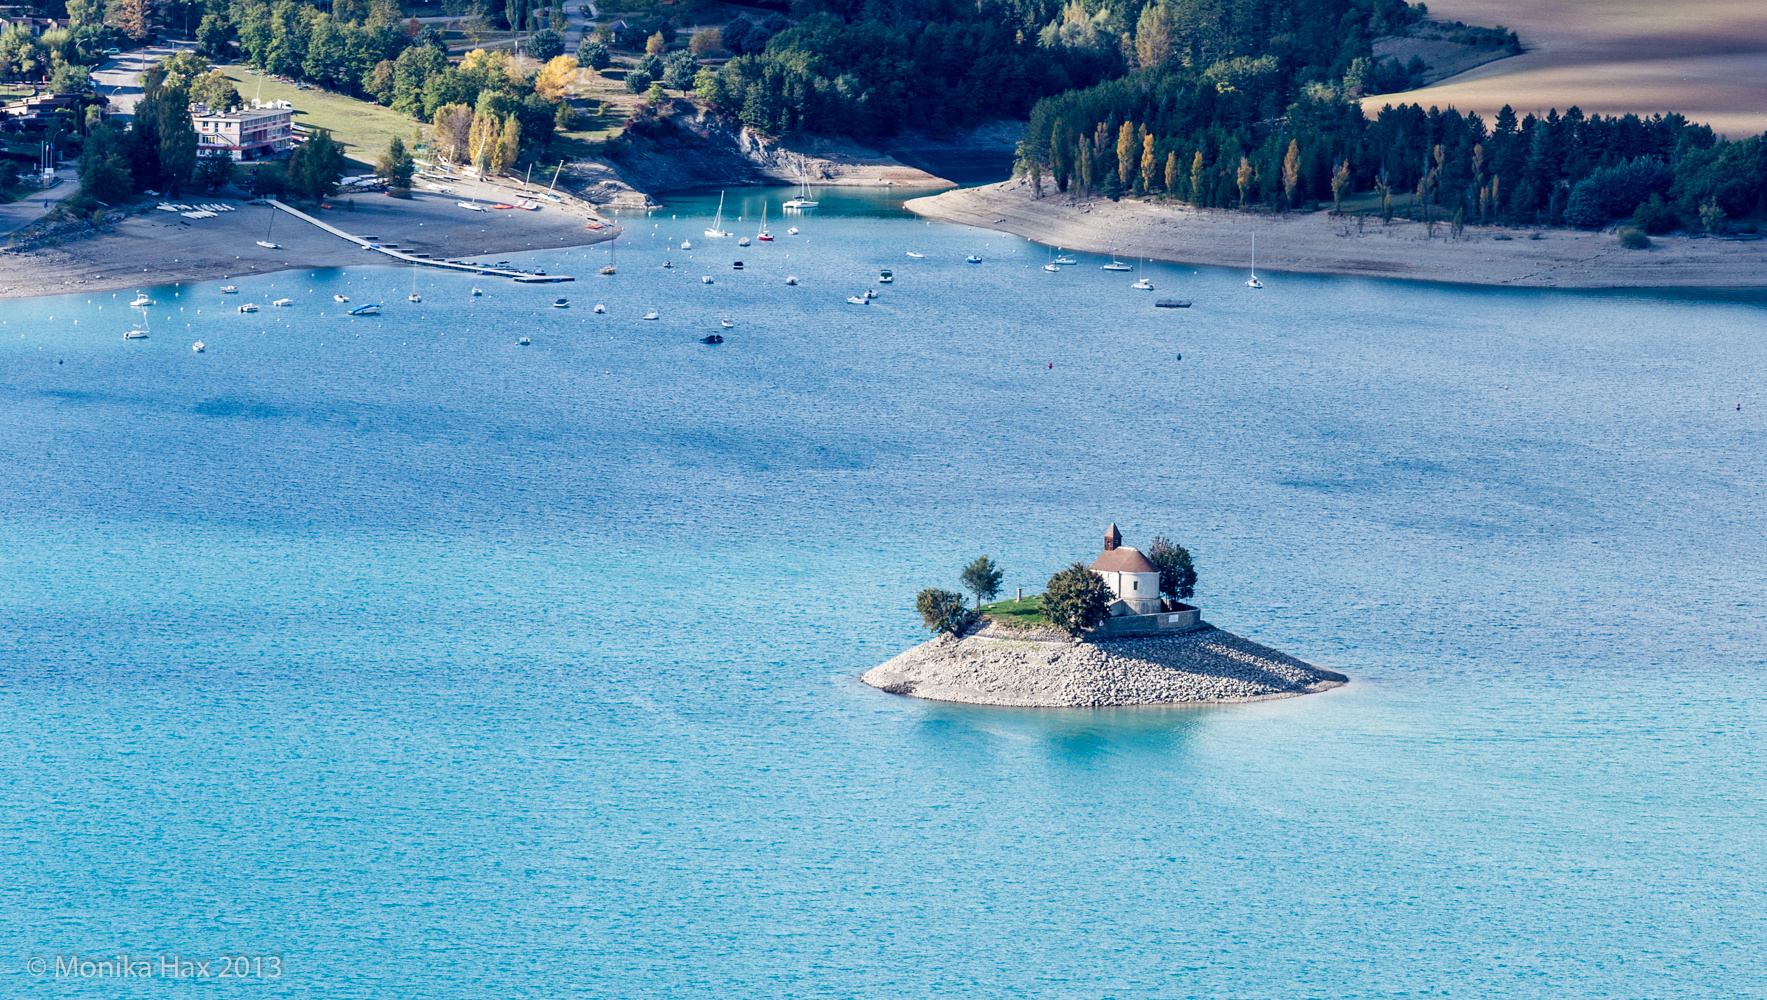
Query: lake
x,y
429,664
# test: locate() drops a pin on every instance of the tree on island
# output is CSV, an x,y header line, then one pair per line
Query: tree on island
x,y
982,578
1076,599
1177,574
943,611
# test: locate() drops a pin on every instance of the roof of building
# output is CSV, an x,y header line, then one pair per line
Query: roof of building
x,y
1123,559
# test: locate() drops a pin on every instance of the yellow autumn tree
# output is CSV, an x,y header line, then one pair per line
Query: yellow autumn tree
x,y
1246,176
1172,174
1126,155
483,141
1196,178
509,143
1291,170
1150,164
555,77
1153,36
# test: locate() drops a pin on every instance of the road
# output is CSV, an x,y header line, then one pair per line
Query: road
x,y
119,80
25,211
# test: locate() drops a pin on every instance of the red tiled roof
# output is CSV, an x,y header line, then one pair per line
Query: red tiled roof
x,y
1123,559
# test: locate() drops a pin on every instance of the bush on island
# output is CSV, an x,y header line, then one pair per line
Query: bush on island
x,y
1632,239
1076,599
1177,573
982,578
943,611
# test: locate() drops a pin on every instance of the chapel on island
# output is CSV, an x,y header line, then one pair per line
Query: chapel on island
x,y
1135,582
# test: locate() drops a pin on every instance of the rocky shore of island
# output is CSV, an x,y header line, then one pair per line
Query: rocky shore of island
x,y
1046,668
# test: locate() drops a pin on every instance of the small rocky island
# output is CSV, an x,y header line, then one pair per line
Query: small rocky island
x,y
1106,635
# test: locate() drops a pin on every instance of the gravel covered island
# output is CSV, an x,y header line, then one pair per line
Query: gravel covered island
x,y
1044,668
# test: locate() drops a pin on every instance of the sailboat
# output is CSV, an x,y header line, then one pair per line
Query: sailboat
x,y
1141,283
265,242
1253,281
140,332
1062,258
802,201
1115,264
717,229
611,244
414,297
764,236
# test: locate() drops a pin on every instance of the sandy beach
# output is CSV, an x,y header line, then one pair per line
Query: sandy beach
x,y
1706,59
155,248
1320,243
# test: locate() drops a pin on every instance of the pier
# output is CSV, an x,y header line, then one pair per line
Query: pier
x,y
525,277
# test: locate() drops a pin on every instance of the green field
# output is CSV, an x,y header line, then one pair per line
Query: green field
x,y
1027,613
364,128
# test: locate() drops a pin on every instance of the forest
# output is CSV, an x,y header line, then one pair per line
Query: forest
x,y
1211,139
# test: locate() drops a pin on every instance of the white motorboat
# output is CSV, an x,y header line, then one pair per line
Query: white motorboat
x,y
886,276
198,347
743,242
1253,281
727,324
917,256
523,342
266,244
475,293
371,309
717,229
687,244
706,279
249,307
561,303
973,259
600,307
344,298
793,231
652,315
283,303
414,297
871,293
1064,259
791,279
229,290
859,300
141,301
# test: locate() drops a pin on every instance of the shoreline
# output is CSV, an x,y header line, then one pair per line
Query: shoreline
x,y
163,248
1320,243
1043,668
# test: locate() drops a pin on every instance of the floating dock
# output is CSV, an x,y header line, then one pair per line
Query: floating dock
x,y
526,277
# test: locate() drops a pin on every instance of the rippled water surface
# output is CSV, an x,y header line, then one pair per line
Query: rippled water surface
x,y
441,666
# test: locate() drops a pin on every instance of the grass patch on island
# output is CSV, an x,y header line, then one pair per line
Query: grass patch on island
x,y
1025,614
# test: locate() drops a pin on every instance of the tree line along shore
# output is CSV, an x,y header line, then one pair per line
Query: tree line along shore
x,y
1242,104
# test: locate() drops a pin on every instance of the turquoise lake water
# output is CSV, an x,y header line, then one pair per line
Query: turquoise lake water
x,y
438,666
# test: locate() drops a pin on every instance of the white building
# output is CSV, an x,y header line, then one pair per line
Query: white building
x,y
263,131
1134,580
